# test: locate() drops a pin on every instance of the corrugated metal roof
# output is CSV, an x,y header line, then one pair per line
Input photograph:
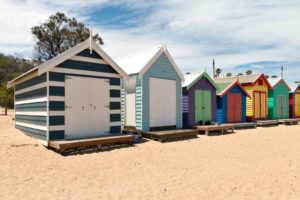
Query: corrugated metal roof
x,y
274,81
134,63
222,87
294,87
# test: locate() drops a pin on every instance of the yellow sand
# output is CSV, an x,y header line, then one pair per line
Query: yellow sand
x,y
251,164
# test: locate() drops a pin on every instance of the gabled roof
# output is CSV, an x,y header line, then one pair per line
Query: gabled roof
x,y
275,81
140,62
48,65
191,79
225,87
294,87
244,79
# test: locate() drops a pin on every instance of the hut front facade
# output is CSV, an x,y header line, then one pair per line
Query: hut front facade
x,y
231,102
198,99
74,95
278,99
294,101
151,99
257,86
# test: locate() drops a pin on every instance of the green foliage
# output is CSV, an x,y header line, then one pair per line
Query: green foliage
x,y
229,74
11,67
274,76
218,71
249,72
58,34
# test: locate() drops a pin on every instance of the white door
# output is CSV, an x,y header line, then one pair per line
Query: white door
x,y
162,102
99,118
130,110
87,107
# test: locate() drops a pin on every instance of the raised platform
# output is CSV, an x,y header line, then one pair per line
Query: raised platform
x,y
63,145
289,121
245,125
267,123
170,134
212,128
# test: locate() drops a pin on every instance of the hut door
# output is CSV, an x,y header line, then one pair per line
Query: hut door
x,y
234,107
260,105
281,107
162,102
297,105
86,107
202,105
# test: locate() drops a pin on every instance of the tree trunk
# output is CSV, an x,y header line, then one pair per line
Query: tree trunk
x,y
6,100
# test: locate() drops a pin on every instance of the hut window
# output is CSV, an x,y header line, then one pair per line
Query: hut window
x,y
260,82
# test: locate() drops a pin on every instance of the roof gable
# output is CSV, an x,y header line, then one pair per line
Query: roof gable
x,y
142,61
274,82
226,87
79,49
191,79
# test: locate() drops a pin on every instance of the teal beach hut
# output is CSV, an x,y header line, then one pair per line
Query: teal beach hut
x,y
151,99
278,99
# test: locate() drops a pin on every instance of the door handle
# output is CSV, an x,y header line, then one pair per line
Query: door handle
x,y
82,107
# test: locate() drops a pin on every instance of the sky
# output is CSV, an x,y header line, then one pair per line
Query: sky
x,y
239,34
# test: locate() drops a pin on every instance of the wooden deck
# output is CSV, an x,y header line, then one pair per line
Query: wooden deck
x,y
63,145
264,123
170,134
213,128
289,121
245,125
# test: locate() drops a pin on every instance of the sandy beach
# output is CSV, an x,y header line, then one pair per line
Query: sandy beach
x,y
250,164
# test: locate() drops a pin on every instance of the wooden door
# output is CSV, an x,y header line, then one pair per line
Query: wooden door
x,y
203,108
297,105
257,105
230,107
263,105
234,107
238,107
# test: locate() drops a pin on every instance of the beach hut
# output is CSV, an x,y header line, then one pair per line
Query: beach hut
x,y
257,86
151,99
278,99
198,99
74,95
294,100
231,102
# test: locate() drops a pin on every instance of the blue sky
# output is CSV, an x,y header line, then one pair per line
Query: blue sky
x,y
238,34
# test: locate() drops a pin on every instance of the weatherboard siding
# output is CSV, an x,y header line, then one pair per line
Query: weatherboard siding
x,y
202,84
30,101
161,68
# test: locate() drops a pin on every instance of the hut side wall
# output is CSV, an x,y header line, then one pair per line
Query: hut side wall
x,y
161,68
31,107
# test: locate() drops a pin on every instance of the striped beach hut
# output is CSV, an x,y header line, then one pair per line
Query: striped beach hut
x,y
74,95
198,99
231,102
257,86
152,97
278,99
294,100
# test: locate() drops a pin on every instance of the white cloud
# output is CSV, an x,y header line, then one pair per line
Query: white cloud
x,y
234,32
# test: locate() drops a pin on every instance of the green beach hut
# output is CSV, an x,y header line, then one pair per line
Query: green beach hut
x,y
278,99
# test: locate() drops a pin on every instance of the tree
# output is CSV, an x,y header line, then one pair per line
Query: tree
x,y
274,76
218,71
229,74
240,74
267,76
58,34
249,72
